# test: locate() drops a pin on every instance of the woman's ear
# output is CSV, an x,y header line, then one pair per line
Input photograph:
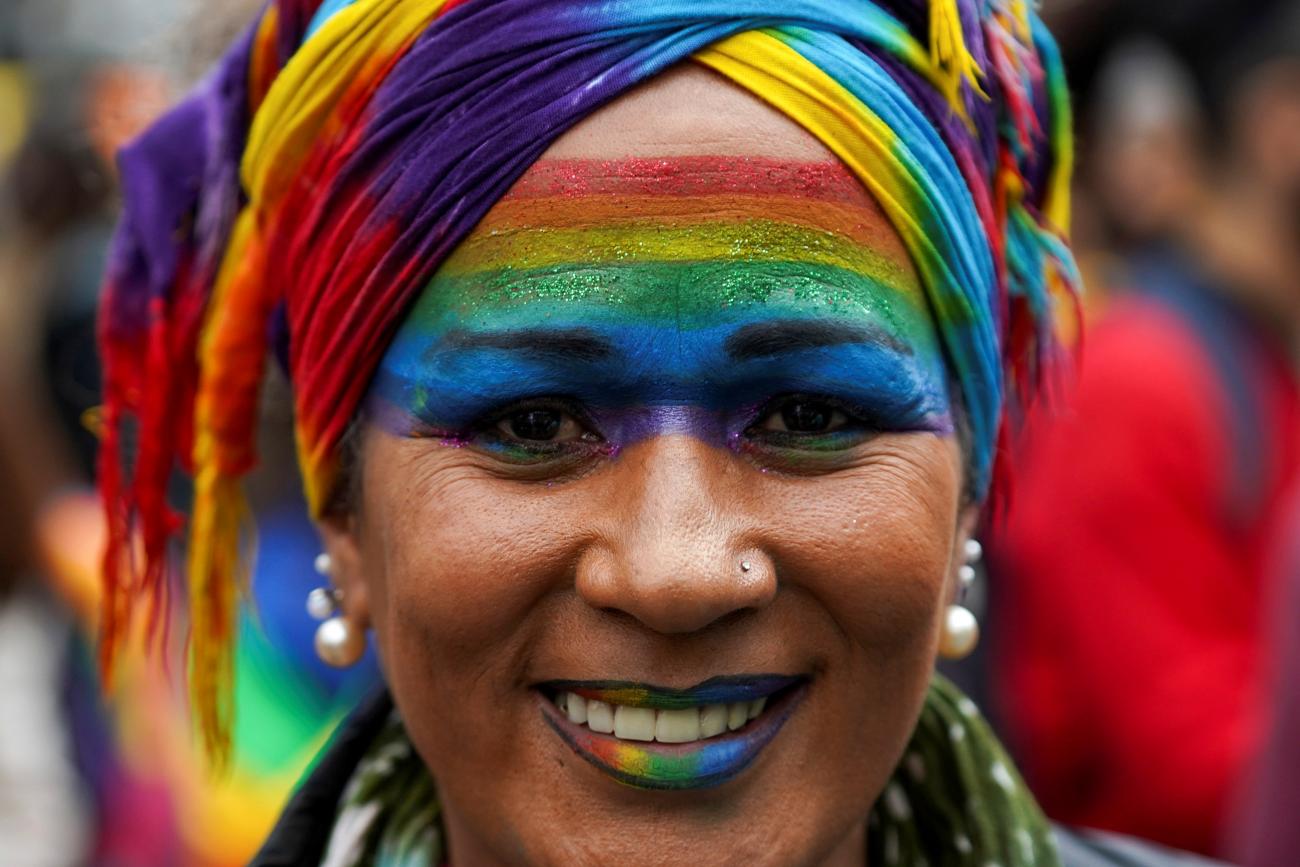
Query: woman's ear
x,y
339,533
967,522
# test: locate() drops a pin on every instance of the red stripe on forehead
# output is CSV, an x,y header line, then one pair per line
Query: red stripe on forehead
x,y
691,176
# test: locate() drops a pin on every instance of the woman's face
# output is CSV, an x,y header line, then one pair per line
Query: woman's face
x,y
659,500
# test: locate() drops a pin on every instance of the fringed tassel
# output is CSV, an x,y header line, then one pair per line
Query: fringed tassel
x,y
140,389
157,415
952,61
1056,198
1043,283
232,355
115,609
1018,71
182,342
216,570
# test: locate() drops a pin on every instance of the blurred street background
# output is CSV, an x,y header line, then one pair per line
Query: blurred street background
x,y
1141,594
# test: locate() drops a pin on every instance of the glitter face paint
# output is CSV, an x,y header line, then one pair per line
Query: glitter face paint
x,y
672,295
697,765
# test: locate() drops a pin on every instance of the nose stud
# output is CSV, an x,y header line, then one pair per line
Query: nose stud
x,y
745,565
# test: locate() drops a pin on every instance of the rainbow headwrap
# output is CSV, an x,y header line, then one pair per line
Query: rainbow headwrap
x,y
305,193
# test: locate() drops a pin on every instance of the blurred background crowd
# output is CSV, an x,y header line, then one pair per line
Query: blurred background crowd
x,y
1142,589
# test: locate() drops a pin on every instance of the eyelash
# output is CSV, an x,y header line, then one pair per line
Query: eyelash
x,y
753,440
856,429
519,451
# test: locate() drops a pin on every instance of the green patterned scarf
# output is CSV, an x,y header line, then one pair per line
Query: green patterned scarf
x,y
955,799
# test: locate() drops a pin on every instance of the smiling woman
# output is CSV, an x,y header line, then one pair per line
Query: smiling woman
x,y
645,408
665,443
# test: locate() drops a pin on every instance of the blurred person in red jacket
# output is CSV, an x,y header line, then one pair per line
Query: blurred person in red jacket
x,y
1266,832
1133,556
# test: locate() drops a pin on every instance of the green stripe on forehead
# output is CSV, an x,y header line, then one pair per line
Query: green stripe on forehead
x,y
684,294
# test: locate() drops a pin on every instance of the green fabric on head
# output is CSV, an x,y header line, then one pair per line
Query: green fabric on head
x,y
954,799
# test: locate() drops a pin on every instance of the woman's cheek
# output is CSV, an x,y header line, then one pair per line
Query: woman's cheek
x,y
466,556
872,545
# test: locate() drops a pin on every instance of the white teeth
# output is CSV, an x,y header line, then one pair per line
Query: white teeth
x,y
665,726
713,720
576,705
677,726
600,717
634,723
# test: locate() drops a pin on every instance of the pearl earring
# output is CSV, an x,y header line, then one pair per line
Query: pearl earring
x,y
339,642
961,631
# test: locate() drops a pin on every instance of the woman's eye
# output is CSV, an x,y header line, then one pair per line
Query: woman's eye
x,y
804,416
542,425
542,437
798,428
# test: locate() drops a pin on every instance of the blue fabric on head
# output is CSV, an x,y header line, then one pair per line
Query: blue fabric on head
x,y
327,10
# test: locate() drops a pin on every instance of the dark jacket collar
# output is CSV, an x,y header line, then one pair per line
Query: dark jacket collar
x,y
303,830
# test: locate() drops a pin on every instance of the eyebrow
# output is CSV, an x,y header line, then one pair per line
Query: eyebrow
x,y
764,339
574,344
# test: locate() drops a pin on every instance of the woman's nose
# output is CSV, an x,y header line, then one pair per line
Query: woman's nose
x,y
681,554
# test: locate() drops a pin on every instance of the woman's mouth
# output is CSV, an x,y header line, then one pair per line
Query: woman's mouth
x,y
661,738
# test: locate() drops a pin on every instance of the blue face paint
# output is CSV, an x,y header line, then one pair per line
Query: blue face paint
x,y
689,324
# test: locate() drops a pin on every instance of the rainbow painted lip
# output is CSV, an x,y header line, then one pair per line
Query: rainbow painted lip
x,y
677,766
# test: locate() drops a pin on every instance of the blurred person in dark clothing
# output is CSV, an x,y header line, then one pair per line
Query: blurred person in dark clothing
x,y
1147,166
43,811
1134,556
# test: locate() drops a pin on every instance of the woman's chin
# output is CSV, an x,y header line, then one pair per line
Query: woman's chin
x,y
663,784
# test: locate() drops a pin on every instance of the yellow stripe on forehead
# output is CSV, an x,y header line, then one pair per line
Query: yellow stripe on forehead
x,y
869,228
753,239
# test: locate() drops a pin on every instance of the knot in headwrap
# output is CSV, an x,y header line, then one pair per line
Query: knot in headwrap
x,y
305,193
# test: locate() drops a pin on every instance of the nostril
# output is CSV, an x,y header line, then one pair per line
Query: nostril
x,y
675,575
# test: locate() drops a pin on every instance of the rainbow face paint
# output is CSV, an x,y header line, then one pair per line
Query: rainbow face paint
x,y
674,295
637,760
